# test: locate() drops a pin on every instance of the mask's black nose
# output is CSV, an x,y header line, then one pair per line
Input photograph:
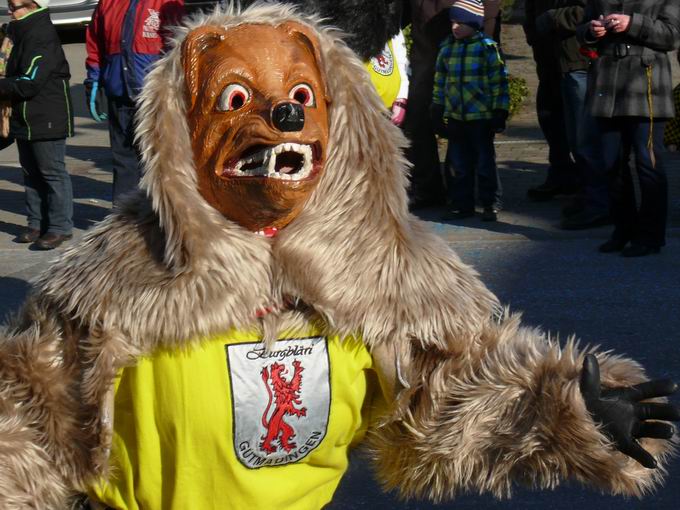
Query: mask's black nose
x,y
288,117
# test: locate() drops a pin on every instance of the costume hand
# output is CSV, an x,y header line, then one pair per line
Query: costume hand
x,y
93,101
398,111
617,23
437,118
498,120
597,28
623,416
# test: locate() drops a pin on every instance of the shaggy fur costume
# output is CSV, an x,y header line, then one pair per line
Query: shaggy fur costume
x,y
479,401
369,24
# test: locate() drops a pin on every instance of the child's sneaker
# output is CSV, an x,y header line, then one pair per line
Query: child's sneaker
x,y
489,214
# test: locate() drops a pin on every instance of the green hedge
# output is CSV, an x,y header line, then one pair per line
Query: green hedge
x,y
518,93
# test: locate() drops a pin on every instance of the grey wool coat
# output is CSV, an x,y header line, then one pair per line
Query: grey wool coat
x,y
619,86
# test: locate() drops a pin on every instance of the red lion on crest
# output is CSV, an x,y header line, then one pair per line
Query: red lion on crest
x,y
286,395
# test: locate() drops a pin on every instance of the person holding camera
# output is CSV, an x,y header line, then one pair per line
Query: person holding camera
x,y
630,94
36,83
470,103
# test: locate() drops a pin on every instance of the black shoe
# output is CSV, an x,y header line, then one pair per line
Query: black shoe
x,y
458,214
612,246
490,214
50,241
547,191
417,203
639,250
544,192
29,235
585,219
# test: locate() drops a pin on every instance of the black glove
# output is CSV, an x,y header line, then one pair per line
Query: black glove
x,y
94,99
622,414
437,118
498,121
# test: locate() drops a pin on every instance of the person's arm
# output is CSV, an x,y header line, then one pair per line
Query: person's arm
x,y
529,24
36,67
437,107
584,33
440,71
94,45
661,33
515,407
563,20
401,61
498,80
491,10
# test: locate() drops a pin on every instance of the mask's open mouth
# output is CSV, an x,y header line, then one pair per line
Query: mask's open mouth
x,y
286,161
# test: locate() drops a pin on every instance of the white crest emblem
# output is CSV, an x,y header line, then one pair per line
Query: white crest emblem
x,y
280,399
152,24
383,63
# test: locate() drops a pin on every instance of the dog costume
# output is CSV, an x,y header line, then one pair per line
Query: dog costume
x,y
270,302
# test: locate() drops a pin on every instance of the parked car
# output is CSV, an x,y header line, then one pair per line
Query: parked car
x,y
79,12
62,12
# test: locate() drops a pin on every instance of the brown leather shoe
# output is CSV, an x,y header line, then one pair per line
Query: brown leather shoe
x,y
50,241
29,235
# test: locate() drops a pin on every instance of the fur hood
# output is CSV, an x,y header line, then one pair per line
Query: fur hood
x,y
369,24
167,267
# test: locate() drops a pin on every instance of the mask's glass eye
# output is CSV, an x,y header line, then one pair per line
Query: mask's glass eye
x,y
233,97
303,94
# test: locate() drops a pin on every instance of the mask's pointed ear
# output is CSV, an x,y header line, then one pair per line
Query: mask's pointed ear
x,y
195,44
309,40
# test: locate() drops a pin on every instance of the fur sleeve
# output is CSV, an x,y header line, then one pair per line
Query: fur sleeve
x,y
508,410
43,452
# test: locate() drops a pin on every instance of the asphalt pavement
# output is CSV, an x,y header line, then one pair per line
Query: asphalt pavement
x,y
556,278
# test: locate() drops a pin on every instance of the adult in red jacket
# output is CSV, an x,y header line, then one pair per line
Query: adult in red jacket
x,y
124,39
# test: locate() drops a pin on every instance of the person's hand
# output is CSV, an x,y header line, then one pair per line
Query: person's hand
x,y
398,111
437,118
623,415
617,23
498,121
93,101
597,28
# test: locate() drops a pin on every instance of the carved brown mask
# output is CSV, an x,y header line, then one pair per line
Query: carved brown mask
x,y
258,118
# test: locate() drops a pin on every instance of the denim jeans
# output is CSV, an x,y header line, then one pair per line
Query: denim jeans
x,y
643,223
471,152
583,138
127,169
49,194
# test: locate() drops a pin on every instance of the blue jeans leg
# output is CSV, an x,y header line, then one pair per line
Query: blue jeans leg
x,y
49,194
644,223
126,158
583,135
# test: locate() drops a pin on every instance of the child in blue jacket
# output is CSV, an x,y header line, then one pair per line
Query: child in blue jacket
x,y
470,103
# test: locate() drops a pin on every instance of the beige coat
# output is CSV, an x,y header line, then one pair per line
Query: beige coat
x,y
479,401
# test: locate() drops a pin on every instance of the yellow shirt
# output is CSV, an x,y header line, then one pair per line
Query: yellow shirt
x,y
228,425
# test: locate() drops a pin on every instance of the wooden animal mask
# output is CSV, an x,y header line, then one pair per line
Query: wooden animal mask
x,y
258,117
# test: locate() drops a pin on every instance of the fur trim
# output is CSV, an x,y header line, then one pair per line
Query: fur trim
x,y
509,411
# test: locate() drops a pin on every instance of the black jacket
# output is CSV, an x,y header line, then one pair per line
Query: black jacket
x,y
37,80
550,27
